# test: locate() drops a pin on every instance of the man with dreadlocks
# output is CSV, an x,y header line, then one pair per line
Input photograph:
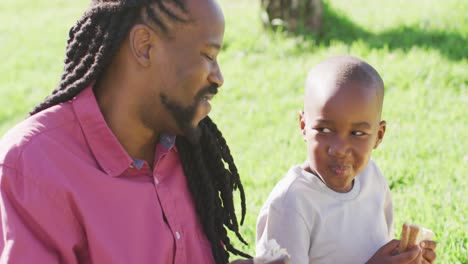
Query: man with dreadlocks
x,y
121,164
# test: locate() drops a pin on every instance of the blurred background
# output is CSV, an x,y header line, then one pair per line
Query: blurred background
x,y
419,47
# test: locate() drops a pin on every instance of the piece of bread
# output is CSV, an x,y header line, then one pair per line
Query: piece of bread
x,y
412,235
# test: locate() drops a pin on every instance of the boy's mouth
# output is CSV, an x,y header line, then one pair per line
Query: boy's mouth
x,y
340,170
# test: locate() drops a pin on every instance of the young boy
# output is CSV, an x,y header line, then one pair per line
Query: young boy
x,y
336,207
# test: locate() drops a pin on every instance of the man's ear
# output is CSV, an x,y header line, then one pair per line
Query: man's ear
x,y
141,40
302,124
380,133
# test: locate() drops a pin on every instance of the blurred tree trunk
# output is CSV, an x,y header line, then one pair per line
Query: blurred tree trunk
x,y
292,15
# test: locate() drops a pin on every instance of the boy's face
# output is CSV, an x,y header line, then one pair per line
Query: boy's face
x,y
341,125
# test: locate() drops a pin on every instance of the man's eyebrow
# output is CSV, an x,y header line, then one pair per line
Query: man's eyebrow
x,y
213,45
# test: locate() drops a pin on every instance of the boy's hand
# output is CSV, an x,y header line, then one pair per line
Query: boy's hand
x,y
387,255
428,251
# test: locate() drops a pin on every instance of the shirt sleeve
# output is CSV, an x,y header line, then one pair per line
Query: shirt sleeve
x,y
288,228
33,228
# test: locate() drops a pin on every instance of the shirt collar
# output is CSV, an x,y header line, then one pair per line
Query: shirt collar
x,y
109,153
167,140
165,145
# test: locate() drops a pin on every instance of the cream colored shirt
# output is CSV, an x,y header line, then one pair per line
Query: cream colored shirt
x,y
318,225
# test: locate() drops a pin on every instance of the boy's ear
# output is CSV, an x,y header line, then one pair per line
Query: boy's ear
x,y
380,133
141,38
302,124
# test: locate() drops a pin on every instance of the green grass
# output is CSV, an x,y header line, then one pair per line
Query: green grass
x,y
419,47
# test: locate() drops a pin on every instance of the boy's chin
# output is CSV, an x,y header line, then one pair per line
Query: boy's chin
x,y
341,187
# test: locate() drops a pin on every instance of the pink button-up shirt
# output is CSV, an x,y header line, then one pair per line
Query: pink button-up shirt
x,y
71,194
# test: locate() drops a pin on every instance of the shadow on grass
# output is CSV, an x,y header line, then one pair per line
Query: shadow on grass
x,y
337,27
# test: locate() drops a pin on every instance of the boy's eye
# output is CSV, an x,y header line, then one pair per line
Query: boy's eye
x,y
323,130
358,133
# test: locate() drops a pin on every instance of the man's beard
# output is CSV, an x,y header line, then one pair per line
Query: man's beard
x,y
185,115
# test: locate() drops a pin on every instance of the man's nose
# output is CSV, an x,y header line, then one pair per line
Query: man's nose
x,y
216,76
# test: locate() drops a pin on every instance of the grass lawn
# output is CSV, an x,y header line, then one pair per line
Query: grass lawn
x,y
419,47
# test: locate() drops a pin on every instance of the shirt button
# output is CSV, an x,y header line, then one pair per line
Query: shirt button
x,y
131,166
177,235
156,180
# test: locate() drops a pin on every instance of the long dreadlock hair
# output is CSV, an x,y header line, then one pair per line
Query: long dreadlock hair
x,y
208,165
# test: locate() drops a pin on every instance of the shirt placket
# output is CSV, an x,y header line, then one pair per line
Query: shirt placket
x,y
169,209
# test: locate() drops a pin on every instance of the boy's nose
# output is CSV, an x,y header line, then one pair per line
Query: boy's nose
x,y
339,149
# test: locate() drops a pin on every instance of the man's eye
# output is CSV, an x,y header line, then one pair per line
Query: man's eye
x,y
208,57
323,130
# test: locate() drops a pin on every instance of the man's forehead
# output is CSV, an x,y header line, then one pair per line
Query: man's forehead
x,y
206,22
205,11
184,22
204,14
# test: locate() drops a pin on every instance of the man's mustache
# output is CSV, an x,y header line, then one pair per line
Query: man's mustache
x,y
211,89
